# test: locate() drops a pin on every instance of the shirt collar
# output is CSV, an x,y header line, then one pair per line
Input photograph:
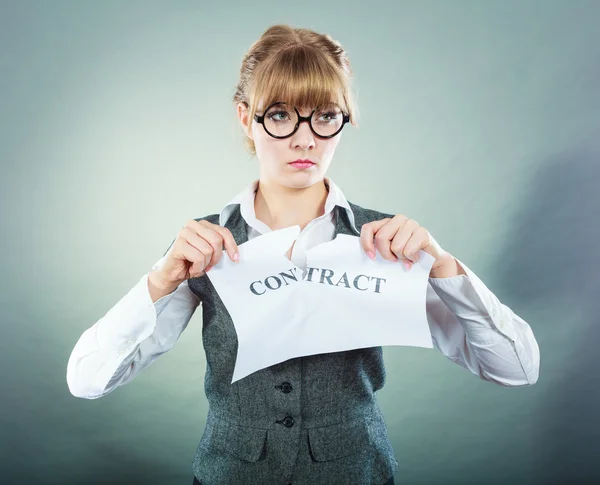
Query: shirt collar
x,y
246,201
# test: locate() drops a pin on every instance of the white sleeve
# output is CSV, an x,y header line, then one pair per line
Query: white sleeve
x,y
128,338
471,327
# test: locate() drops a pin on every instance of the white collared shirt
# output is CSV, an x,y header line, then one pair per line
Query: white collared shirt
x,y
468,324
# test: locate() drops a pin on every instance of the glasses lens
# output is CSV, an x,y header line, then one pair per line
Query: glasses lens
x,y
327,121
280,120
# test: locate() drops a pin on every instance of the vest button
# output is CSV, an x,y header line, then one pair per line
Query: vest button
x,y
288,421
284,387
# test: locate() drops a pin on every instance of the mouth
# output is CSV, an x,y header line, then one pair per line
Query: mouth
x,y
302,163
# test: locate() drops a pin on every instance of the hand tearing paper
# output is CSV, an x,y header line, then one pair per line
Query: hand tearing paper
x,y
342,301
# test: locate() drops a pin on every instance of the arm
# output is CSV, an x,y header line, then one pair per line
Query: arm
x,y
131,335
471,327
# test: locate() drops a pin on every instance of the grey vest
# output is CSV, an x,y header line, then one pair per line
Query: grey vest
x,y
307,421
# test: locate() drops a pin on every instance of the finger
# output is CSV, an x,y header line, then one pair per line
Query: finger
x,y
418,241
367,233
384,237
207,243
402,237
227,240
217,236
197,258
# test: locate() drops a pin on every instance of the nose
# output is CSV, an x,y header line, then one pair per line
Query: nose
x,y
304,138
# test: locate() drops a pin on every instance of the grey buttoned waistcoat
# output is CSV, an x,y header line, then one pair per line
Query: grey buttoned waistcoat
x,y
307,421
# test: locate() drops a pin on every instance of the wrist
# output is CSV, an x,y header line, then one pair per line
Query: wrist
x,y
158,287
447,269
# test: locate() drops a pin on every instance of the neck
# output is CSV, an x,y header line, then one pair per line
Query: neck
x,y
280,207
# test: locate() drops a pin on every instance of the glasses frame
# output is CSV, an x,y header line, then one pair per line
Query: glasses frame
x,y
261,119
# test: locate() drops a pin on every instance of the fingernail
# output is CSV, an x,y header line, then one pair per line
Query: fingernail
x,y
236,257
407,265
371,255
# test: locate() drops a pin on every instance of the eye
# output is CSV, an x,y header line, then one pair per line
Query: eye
x,y
280,115
328,116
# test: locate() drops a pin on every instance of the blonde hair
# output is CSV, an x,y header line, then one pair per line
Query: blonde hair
x,y
302,67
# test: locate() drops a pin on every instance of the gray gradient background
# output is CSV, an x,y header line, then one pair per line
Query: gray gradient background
x,y
479,119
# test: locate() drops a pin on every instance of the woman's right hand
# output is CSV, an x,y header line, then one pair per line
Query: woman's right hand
x,y
197,248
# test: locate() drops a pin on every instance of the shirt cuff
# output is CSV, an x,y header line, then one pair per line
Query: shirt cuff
x,y
473,303
132,319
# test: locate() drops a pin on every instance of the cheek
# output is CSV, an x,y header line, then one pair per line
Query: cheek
x,y
264,143
330,145
258,137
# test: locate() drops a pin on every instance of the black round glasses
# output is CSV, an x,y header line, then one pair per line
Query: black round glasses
x,y
280,121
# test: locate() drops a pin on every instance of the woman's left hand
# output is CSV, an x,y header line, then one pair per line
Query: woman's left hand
x,y
402,238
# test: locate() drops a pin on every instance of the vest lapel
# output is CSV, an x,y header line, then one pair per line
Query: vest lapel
x,y
237,226
342,221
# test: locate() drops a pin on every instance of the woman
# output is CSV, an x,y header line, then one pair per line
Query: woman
x,y
313,419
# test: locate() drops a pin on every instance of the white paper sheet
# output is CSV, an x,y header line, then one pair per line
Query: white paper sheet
x,y
343,300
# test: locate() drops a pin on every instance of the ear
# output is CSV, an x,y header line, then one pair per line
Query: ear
x,y
242,112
